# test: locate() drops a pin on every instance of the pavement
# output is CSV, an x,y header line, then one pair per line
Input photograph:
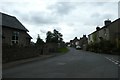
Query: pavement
x,y
25,61
74,64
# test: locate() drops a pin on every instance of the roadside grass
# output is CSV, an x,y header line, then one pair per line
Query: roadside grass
x,y
63,50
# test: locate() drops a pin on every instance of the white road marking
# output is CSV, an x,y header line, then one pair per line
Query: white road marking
x,y
61,63
113,60
116,63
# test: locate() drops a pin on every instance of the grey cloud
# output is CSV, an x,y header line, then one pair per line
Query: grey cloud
x,y
43,31
70,24
42,19
62,8
95,15
108,16
38,18
57,28
99,16
28,16
97,19
12,5
99,3
119,9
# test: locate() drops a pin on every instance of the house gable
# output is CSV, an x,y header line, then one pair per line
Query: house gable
x,y
14,32
11,22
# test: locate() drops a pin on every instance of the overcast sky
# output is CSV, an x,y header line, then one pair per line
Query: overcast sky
x,y
71,18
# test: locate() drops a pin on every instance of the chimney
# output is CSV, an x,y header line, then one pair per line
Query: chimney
x,y
75,38
84,35
107,22
97,28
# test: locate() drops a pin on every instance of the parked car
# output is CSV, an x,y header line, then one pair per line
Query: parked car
x,y
78,47
69,45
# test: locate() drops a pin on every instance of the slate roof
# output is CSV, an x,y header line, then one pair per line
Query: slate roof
x,y
106,26
11,22
28,36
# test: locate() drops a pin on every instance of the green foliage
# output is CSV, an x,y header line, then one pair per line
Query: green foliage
x,y
54,37
104,46
39,41
49,36
94,36
63,50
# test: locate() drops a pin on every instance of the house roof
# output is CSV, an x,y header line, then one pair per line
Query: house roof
x,y
105,26
28,36
11,22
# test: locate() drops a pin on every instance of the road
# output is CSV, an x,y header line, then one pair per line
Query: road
x,y
74,64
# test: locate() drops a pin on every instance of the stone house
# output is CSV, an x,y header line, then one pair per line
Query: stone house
x,y
83,42
99,34
114,32
111,32
13,31
71,43
74,42
92,37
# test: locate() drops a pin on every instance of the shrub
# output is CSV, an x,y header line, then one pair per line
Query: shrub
x,y
63,50
103,46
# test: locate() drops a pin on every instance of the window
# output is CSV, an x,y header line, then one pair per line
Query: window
x,y
101,38
15,37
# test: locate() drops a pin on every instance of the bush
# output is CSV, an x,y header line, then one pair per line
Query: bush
x,y
63,50
103,46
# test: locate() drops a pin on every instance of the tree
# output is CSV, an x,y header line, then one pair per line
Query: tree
x,y
54,37
49,37
39,41
58,36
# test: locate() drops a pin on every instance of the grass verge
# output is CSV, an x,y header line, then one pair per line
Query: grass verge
x,y
63,50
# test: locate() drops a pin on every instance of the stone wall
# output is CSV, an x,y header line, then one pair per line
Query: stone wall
x,y
8,32
50,48
12,53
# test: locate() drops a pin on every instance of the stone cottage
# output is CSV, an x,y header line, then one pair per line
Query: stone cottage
x,y
110,31
13,31
83,42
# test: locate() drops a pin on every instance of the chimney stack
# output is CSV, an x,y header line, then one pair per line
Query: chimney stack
x,y
84,35
107,22
97,28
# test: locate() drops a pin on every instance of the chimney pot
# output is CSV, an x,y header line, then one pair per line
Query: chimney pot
x,y
107,22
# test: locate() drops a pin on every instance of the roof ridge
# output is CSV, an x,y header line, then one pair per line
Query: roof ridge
x,y
12,21
7,14
106,25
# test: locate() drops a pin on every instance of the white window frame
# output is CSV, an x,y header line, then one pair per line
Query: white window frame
x,y
15,34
